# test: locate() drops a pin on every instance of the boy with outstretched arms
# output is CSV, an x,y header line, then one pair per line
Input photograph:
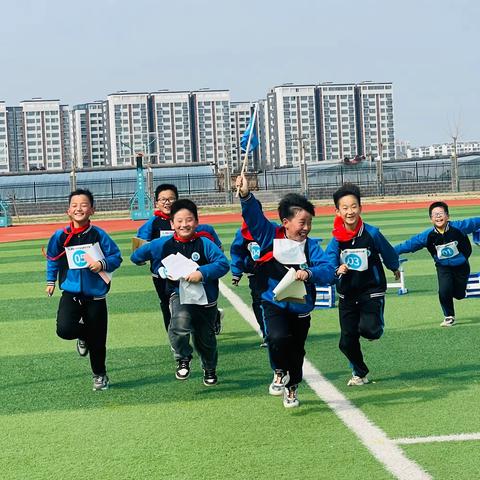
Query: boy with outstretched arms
x,y
82,312
448,244
196,319
287,323
160,225
357,250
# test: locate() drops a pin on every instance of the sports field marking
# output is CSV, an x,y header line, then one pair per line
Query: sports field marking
x,y
385,450
461,437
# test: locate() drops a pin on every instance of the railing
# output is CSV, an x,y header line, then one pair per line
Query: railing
x,y
328,176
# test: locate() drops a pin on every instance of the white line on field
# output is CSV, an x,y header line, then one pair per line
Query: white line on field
x,y
461,437
383,449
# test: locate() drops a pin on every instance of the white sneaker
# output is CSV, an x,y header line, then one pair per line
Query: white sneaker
x,y
448,322
100,382
290,397
82,347
357,381
280,379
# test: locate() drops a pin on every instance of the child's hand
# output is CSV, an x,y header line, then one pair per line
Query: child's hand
x,y
301,275
95,267
49,290
242,184
342,269
194,277
396,273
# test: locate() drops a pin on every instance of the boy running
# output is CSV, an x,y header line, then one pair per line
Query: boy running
x,y
287,323
357,250
82,312
189,318
450,248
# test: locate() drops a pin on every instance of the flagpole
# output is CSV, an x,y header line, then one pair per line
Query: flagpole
x,y
245,158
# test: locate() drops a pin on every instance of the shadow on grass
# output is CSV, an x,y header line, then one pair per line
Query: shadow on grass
x,y
139,375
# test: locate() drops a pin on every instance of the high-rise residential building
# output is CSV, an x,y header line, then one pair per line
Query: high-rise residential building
x,y
375,120
293,130
240,115
4,166
172,125
44,134
337,121
16,139
129,127
211,132
90,135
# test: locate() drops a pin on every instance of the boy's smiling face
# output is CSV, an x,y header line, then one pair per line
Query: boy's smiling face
x,y
80,210
439,217
184,223
298,227
349,209
165,200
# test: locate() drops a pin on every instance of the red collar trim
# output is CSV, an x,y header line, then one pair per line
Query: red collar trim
x,y
160,214
341,233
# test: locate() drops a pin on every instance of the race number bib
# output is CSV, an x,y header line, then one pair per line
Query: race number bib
x,y
355,258
166,233
448,250
76,256
254,249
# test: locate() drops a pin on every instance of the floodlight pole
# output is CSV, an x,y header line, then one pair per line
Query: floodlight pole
x,y
454,168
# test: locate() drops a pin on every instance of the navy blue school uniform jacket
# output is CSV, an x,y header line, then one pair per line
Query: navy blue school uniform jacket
x,y
212,262
269,271
81,281
372,280
450,248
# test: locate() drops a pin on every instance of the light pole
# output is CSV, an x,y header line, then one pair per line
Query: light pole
x,y
454,168
379,168
302,141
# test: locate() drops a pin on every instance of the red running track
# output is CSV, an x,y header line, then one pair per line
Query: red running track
x,y
38,231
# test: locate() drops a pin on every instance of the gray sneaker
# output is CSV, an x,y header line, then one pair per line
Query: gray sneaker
x,y
100,382
280,379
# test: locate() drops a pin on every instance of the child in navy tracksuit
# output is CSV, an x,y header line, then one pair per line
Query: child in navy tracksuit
x,y
450,248
358,250
244,253
160,225
287,322
190,318
82,312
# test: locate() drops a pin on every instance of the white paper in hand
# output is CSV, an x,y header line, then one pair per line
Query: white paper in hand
x,y
289,289
192,293
289,252
178,266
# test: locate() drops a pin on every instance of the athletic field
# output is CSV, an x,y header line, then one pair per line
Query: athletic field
x,y
418,419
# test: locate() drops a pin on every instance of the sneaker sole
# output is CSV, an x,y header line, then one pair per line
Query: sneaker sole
x,y
276,393
291,405
210,384
181,378
101,389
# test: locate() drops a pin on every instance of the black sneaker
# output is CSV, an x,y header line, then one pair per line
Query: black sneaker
x,y
218,321
183,370
82,347
210,377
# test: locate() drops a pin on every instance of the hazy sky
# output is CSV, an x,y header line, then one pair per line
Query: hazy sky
x,y
79,51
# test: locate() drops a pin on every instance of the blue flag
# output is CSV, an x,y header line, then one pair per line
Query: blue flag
x,y
246,134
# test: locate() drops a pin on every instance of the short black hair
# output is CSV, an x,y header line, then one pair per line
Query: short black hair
x,y
437,204
290,205
82,191
166,186
347,189
184,203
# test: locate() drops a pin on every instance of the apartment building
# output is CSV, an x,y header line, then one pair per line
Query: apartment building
x,y
375,120
172,127
90,135
210,110
128,127
4,165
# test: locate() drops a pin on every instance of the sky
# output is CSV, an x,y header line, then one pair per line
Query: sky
x,y
82,51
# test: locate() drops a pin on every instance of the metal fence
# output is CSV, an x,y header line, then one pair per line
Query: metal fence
x,y
331,175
